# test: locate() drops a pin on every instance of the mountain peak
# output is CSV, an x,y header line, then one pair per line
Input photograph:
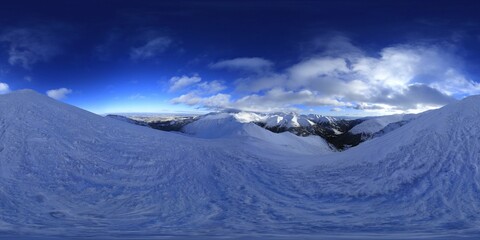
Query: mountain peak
x,y
23,91
26,95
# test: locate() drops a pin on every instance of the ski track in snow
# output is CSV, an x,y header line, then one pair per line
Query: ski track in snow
x,y
66,172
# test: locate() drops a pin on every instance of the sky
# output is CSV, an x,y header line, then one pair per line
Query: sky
x,y
340,58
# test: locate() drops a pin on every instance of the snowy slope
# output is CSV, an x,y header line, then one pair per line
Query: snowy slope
x,y
67,172
228,125
427,170
375,124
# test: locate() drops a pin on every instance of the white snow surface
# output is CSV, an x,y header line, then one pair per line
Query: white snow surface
x,y
67,172
228,125
375,124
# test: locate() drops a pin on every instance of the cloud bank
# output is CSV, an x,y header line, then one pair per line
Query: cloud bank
x,y
398,78
199,91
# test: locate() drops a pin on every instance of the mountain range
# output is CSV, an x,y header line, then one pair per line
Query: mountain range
x,y
340,133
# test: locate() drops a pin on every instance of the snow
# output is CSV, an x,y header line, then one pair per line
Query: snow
x,y
246,117
273,121
227,125
304,122
293,120
290,120
375,124
70,173
321,119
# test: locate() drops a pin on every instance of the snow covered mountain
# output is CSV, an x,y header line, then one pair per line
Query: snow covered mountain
x,y
373,125
329,128
333,130
279,120
370,127
70,173
240,125
321,119
294,120
290,120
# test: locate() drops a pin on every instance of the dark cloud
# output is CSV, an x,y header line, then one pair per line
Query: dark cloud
x,y
414,95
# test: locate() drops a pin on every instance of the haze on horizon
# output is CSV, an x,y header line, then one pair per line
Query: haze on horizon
x,y
340,58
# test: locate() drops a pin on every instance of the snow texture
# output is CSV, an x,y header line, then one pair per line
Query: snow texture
x,y
67,172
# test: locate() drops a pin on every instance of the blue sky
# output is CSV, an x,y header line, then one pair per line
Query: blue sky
x,y
331,57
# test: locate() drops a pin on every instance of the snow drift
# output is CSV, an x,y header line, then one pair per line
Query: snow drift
x,y
67,172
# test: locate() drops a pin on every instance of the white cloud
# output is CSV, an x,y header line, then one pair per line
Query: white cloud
x,y
317,67
258,83
151,48
178,83
274,100
216,101
400,78
278,99
253,64
456,83
198,92
204,93
211,87
4,88
403,77
59,93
